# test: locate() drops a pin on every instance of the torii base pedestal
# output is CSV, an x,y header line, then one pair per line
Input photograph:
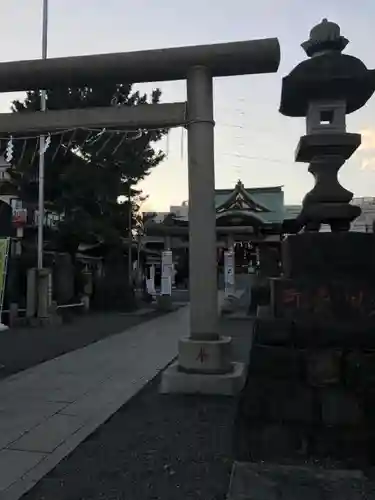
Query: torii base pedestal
x,y
204,367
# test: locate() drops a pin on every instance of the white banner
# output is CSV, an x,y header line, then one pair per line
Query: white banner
x,y
150,286
150,282
166,272
229,270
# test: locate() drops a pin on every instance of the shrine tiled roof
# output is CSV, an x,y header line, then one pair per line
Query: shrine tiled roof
x,y
265,204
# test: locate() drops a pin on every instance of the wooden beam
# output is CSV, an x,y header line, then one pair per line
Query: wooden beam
x,y
122,117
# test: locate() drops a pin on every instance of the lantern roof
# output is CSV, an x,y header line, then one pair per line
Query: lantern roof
x,y
327,75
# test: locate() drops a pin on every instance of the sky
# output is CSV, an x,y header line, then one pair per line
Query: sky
x,y
253,141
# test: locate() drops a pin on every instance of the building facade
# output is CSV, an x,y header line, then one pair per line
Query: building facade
x,y
362,224
246,219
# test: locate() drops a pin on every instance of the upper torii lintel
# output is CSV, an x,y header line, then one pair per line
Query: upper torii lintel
x,y
223,59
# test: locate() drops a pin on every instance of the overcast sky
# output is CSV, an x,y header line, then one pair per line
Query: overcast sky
x,y
253,141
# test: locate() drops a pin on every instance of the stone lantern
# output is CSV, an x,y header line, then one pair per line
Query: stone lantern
x,y
303,401
324,89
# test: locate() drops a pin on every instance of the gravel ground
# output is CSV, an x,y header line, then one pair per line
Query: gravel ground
x,y
22,348
154,447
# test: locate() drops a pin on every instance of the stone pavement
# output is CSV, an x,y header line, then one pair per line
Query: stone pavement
x,y
154,448
24,347
47,410
260,481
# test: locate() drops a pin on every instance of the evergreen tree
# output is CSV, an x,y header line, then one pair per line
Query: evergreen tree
x,y
86,171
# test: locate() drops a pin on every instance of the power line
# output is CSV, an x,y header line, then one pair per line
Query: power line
x,y
258,158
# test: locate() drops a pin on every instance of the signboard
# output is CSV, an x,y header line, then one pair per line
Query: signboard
x,y
19,216
229,270
19,220
343,299
150,282
4,252
166,273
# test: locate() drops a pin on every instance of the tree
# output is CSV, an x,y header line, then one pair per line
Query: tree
x,y
86,170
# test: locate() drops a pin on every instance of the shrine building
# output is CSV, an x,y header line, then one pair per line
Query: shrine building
x,y
248,221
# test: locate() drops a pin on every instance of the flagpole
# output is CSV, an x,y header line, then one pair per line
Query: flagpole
x,y
43,105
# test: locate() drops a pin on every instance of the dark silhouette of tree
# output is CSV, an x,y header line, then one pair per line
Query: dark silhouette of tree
x,y
86,171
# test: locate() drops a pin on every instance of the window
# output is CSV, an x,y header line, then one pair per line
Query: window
x,y
326,117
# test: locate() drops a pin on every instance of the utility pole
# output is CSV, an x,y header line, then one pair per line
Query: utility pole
x,y
42,140
130,236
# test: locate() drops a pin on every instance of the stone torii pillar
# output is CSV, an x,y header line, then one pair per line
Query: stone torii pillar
x,y
202,214
203,352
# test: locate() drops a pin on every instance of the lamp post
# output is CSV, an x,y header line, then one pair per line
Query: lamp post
x,y
130,237
43,105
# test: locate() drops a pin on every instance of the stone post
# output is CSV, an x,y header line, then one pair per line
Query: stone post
x,y
44,293
13,314
31,296
202,213
86,303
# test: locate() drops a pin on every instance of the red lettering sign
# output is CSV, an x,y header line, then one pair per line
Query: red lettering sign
x,y
202,356
292,297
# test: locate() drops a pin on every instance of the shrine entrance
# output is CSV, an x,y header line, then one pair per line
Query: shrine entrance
x,y
198,66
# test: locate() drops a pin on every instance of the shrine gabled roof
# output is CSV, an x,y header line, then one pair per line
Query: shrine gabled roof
x,y
265,204
237,206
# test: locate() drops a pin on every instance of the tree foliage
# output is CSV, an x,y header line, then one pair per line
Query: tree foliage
x,y
86,171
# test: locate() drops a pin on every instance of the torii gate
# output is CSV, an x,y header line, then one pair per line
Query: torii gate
x,y
204,352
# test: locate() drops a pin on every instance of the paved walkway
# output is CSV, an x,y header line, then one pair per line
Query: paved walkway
x,y
24,347
46,411
175,447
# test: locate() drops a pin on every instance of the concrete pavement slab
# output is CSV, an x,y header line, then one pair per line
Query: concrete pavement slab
x,y
14,464
46,411
49,434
